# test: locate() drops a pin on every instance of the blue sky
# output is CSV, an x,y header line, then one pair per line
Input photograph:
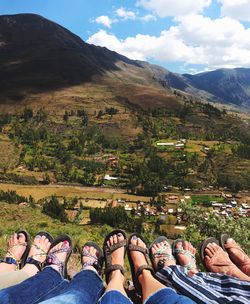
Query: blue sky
x,y
181,35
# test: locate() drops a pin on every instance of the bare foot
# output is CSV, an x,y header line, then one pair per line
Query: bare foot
x,y
162,255
186,256
57,256
38,252
238,256
117,256
218,261
16,247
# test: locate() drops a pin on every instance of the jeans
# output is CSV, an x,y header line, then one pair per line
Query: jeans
x,y
163,296
49,287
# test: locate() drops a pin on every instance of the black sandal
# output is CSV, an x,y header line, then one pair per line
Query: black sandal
x,y
96,261
52,259
31,259
109,267
145,251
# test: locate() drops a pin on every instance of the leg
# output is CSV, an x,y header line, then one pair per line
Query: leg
x,y
152,290
35,290
115,292
205,287
85,288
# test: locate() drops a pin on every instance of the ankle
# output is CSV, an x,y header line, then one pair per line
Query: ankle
x,y
30,270
144,276
117,275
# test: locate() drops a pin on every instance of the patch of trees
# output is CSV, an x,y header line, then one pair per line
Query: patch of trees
x,y
54,209
12,197
242,150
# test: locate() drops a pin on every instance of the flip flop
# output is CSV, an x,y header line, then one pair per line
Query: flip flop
x,y
203,247
52,259
109,250
161,254
145,251
98,261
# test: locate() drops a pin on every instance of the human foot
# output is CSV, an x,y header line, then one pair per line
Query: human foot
x,y
185,253
238,256
58,256
161,254
37,255
139,261
217,260
16,248
92,257
114,251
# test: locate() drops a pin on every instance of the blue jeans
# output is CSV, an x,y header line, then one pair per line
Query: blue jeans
x,y
48,286
163,296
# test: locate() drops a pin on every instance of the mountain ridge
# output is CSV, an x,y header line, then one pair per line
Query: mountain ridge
x,y
38,55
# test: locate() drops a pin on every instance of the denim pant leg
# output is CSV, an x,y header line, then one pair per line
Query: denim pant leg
x,y
35,289
169,296
85,288
114,296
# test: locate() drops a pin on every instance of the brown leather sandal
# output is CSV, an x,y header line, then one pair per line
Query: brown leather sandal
x,y
109,267
145,251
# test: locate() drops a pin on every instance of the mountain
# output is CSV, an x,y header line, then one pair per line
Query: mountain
x,y
40,59
224,85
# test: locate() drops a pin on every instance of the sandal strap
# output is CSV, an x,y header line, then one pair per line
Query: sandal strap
x,y
32,261
138,248
10,260
52,258
114,267
117,246
140,270
182,251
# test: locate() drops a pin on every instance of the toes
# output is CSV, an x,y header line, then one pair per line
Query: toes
x,y
141,243
134,240
111,240
115,239
21,238
154,248
186,246
207,259
120,237
208,252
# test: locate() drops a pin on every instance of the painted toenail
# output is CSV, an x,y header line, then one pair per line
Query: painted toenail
x,y
134,237
119,234
38,236
65,242
230,240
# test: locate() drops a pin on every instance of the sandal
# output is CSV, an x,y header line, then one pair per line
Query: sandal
x,y
145,251
32,259
204,246
109,267
52,258
96,260
160,253
177,251
11,259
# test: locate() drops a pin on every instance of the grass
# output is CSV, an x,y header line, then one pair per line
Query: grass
x,y
201,199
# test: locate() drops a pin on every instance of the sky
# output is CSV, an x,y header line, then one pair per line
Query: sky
x,y
184,36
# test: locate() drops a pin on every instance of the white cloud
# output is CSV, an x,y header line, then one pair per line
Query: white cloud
x,y
196,39
164,8
125,14
104,20
148,18
237,9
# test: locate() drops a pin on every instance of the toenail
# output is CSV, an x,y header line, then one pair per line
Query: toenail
x,y
65,242
38,236
134,237
214,243
230,240
119,234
